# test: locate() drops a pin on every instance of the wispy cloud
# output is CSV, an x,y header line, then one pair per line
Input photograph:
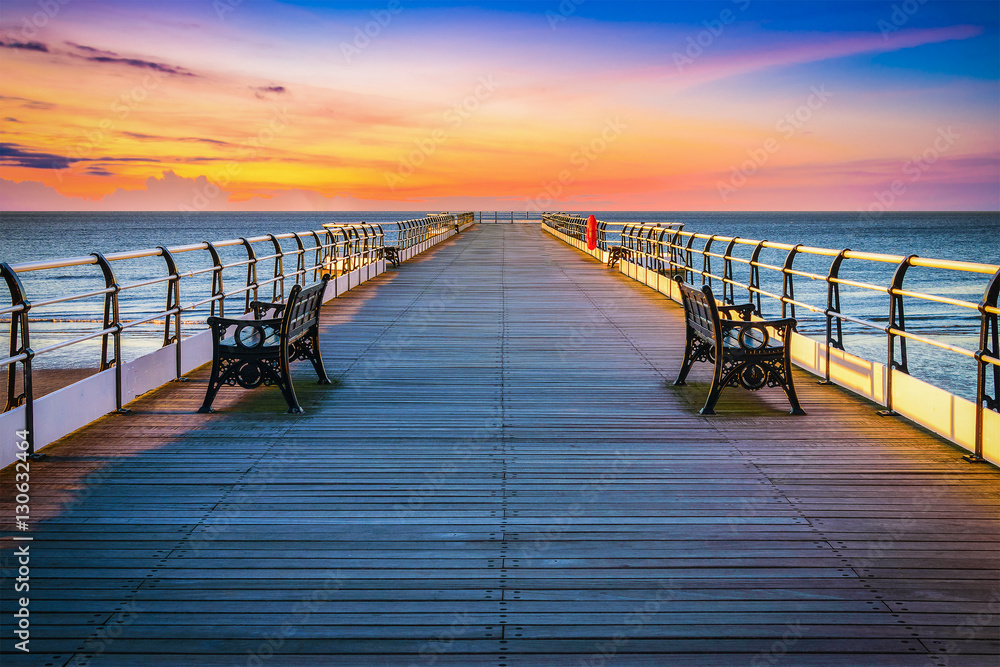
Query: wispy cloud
x,y
104,56
27,103
13,155
27,46
92,50
263,91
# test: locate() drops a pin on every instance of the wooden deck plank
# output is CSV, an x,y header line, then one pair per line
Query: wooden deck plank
x,y
503,475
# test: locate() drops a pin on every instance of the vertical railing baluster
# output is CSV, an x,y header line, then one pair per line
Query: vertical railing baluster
x,y
218,293
753,288
833,312
897,321
20,343
251,275
689,261
787,282
173,301
706,261
989,346
278,285
300,259
728,295
112,320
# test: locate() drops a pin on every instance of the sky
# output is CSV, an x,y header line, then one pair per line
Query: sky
x,y
573,105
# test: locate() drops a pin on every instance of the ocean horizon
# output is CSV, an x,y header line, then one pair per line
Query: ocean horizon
x,y
965,236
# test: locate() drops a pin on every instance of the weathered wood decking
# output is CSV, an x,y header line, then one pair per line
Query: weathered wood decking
x,y
505,477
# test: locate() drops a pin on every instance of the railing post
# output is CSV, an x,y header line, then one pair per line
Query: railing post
x,y
112,320
787,282
689,261
20,343
251,275
173,301
659,253
218,293
753,288
706,261
897,321
300,259
675,252
727,274
832,309
279,270
989,346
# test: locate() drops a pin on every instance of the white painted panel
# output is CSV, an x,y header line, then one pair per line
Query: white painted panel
x,y
196,350
148,372
10,422
73,407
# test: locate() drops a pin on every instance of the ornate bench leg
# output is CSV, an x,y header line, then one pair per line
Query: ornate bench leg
x,y
284,383
214,383
790,388
687,363
316,358
694,350
713,394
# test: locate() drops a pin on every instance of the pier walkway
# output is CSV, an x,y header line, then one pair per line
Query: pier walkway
x,y
504,476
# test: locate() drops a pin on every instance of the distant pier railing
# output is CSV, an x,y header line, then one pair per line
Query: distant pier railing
x,y
608,233
500,217
769,272
216,273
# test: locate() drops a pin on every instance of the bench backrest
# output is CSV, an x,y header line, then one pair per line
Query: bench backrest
x,y
302,309
700,310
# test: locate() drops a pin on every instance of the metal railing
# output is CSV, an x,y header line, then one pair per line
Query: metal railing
x,y
508,216
701,256
412,232
285,259
609,234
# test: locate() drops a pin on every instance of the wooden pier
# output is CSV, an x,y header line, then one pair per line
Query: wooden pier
x,y
504,476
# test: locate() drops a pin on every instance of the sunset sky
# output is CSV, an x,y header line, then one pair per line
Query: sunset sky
x,y
397,104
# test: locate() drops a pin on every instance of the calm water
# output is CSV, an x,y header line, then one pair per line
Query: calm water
x,y
961,236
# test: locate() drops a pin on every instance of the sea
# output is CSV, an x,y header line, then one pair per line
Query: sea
x,y
966,236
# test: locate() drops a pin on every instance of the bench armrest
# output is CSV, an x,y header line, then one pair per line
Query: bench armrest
x,y
745,311
757,335
260,308
249,334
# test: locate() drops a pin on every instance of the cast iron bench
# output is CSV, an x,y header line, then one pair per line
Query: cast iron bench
x,y
390,253
746,353
617,252
258,351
